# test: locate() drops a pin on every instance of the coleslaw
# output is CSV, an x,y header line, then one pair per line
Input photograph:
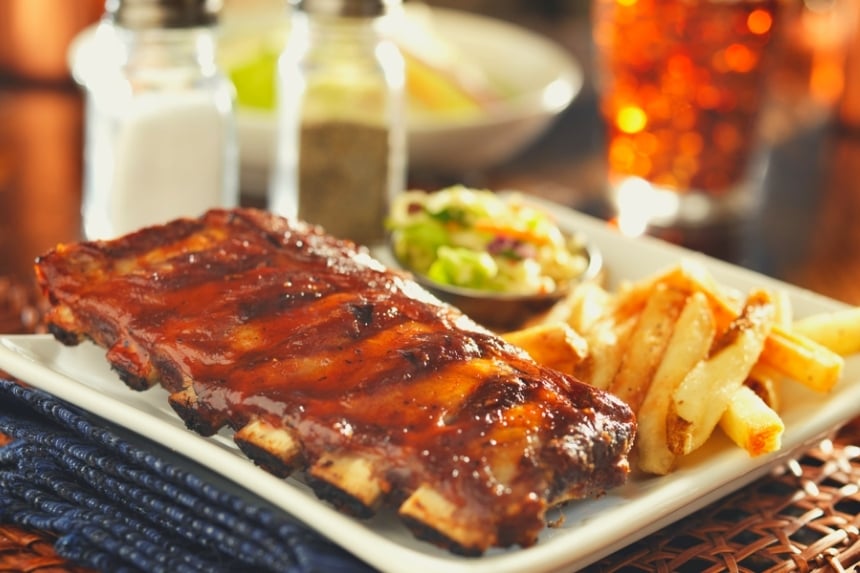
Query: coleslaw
x,y
477,239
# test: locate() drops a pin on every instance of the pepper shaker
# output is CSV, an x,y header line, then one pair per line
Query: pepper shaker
x,y
340,153
160,137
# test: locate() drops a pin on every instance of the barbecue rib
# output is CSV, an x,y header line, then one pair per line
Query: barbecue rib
x,y
324,361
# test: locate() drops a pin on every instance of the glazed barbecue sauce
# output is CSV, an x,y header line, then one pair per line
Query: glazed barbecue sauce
x,y
308,333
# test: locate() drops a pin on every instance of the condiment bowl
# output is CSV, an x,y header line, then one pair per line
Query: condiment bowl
x,y
501,311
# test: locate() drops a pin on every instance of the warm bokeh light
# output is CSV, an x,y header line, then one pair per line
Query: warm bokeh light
x,y
708,97
740,58
826,79
691,143
631,119
759,22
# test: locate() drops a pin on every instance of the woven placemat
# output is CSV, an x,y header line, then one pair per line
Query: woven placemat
x,y
804,516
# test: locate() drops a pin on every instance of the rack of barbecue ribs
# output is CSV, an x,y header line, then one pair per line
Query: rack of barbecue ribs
x,y
328,364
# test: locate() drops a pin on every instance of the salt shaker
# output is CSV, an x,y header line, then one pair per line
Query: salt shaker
x,y
160,137
340,154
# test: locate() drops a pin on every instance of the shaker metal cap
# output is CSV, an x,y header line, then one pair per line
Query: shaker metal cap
x,y
142,14
348,8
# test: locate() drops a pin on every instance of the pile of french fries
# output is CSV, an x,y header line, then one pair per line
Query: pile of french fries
x,y
689,355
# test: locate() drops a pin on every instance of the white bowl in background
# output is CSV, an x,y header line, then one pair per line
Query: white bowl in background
x,y
539,77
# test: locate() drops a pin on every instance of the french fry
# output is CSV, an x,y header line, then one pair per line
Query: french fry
x,y
689,354
555,345
752,424
647,342
689,276
586,303
607,342
802,359
591,303
765,382
838,331
705,392
588,310
688,345
784,310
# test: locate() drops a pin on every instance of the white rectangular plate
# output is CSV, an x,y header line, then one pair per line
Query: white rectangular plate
x,y
590,529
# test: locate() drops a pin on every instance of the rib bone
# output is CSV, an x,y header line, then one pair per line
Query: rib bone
x,y
349,483
272,448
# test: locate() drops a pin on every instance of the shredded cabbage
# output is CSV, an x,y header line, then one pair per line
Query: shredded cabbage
x,y
481,240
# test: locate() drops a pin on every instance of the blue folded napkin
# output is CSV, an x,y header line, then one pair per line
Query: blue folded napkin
x,y
115,503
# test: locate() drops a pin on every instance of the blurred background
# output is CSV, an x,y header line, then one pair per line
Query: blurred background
x,y
807,229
